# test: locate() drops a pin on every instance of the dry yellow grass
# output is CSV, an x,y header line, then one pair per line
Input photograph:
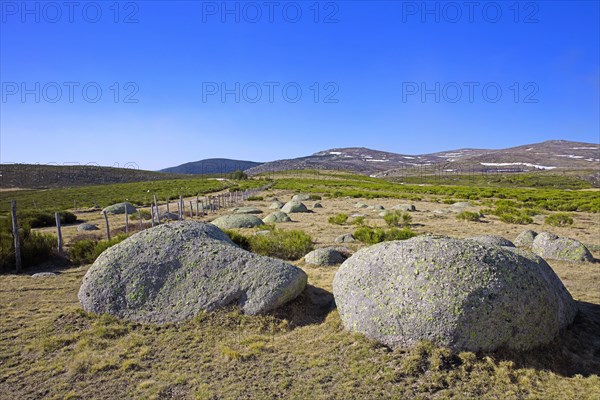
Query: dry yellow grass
x,y
50,348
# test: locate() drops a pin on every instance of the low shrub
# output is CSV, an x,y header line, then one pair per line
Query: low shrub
x,y
239,239
255,198
358,221
398,218
469,216
146,215
516,218
35,247
87,250
287,245
370,235
559,219
339,219
44,218
314,197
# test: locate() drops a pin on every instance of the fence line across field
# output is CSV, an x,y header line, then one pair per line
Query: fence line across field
x,y
212,203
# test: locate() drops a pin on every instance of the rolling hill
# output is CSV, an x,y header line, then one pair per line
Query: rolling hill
x,y
212,166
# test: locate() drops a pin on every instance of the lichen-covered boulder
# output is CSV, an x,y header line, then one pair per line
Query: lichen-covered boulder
x,y
327,256
552,247
277,216
276,205
525,238
294,207
301,197
247,210
119,208
456,293
87,227
173,271
492,240
345,238
405,207
234,221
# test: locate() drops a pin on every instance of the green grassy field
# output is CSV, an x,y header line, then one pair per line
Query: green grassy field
x,y
358,186
138,193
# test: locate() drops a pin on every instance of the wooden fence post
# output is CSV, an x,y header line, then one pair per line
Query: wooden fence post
x,y
152,213
107,226
141,223
58,232
180,207
126,221
157,212
197,205
191,210
168,212
202,207
15,228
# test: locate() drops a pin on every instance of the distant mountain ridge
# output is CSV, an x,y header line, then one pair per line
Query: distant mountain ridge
x,y
212,166
548,155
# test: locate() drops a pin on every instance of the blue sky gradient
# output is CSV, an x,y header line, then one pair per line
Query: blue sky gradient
x,y
369,60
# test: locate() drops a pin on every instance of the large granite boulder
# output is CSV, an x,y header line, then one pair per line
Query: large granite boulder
x,y
552,247
525,238
87,227
301,197
294,207
172,272
119,208
276,205
234,221
247,210
345,238
456,293
277,216
327,256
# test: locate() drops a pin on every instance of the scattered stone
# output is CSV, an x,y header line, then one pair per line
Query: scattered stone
x,y
277,216
317,205
87,227
405,207
345,238
492,240
301,197
357,215
43,275
262,233
276,205
550,246
119,208
327,256
360,205
294,207
247,210
237,221
376,207
456,293
525,238
383,213
172,272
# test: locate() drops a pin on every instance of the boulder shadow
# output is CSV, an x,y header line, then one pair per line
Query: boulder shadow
x,y
576,351
311,307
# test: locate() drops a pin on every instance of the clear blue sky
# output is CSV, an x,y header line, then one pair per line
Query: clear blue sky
x,y
372,57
